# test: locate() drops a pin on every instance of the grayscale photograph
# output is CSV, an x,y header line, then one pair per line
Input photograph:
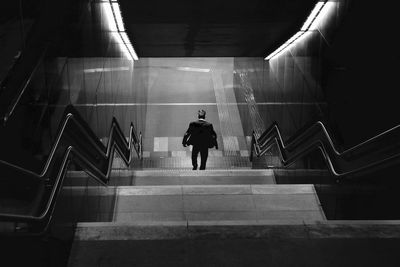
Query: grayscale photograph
x,y
185,133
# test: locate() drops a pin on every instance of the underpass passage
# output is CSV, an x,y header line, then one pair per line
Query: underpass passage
x,y
176,89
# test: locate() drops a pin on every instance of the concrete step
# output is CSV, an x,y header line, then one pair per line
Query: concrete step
x,y
213,162
188,203
263,243
180,177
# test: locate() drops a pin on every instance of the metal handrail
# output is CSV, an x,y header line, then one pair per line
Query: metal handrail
x,y
11,107
349,161
73,123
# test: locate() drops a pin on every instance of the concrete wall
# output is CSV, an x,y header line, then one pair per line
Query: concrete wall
x,y
344,71
288,88
361,71
84,65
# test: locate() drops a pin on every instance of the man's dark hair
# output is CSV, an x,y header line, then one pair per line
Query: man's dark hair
x,y
202,114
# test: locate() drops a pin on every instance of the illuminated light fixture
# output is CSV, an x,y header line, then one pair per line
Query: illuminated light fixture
x,y
316,15
105,69
118,17
116,26
192,69
128,45
132,51
294,37
312,16
122,45
324,12
124,37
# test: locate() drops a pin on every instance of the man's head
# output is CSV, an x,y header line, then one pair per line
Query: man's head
x,y
202,114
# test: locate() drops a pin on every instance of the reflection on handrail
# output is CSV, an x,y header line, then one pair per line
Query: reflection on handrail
x,y
373,153
75,142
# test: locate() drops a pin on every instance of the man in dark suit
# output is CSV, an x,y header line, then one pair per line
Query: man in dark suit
x,y
202,136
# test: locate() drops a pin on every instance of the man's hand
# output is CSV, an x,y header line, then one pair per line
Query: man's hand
x,y
184,145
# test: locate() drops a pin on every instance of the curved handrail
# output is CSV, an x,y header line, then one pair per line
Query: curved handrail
x,y
73,142
361,157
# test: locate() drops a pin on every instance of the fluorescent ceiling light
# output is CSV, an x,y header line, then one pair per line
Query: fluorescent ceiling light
x,y
132,51
117,38
105,69
116,26
192,69
128,45
312,16
294,37
325,11
289,43
319,12
125,37
118,17
122,45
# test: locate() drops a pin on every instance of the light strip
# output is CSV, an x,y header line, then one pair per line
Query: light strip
x,y
118,18
324,12
192,69
105,69
311,23
124,37
128,44
116,26
132,51
312,16
122,46
294,37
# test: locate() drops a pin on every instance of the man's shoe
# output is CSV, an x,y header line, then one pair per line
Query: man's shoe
x,y
194,168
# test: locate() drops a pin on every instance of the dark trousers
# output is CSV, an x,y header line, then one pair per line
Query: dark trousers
x,y
203,155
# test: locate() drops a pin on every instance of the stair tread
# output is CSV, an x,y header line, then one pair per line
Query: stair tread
x,y
210,202
180,177
203,189
183,172
239,228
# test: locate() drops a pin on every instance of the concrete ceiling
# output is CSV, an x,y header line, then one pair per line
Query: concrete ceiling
x,y
212,28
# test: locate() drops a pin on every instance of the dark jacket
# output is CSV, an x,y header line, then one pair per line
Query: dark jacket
x,y
200,133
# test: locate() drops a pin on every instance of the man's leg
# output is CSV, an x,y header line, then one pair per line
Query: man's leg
x,y
204,156
195,153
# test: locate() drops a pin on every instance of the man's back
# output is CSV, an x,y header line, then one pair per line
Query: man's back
x,y
202,136
201,133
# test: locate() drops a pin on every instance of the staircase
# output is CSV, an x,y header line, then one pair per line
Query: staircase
x,y
177,210
165,214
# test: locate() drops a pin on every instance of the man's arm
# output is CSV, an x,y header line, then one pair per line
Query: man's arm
x,y
214,136
187,135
